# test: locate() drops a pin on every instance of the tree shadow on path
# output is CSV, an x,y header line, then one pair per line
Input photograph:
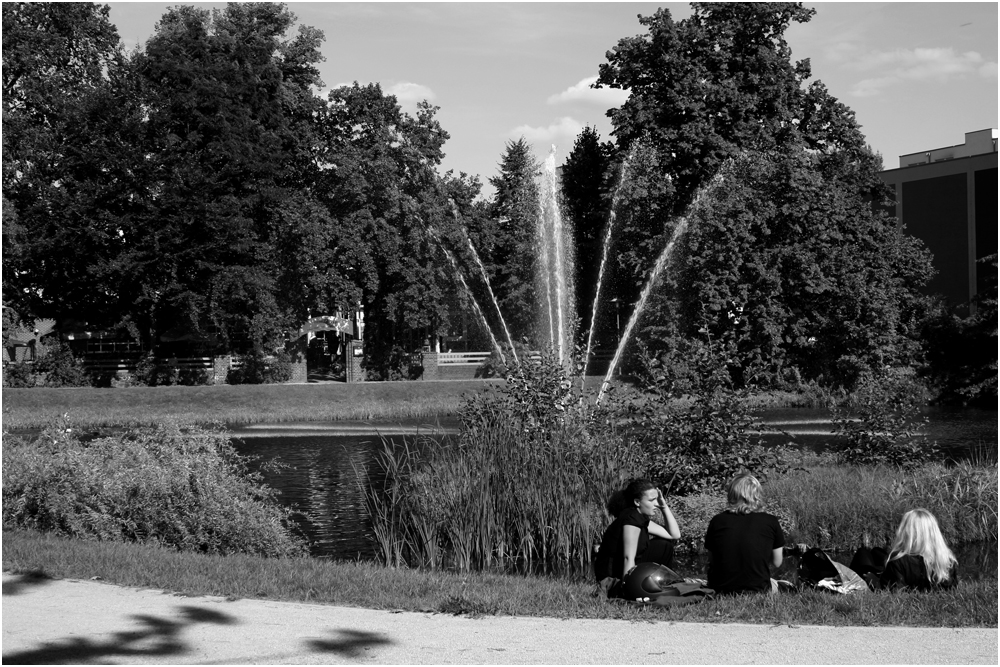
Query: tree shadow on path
x,y
351,644
25,580
157,637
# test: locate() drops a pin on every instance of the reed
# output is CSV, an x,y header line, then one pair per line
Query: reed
x,y
498,496
844,506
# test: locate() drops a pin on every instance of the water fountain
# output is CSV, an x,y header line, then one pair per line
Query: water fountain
x,y
555,263
472,298
486,280
679,227
612,214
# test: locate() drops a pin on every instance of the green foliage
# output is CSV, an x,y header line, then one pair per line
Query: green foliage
x,y
510,258
524,482
154,372
57,367
840,507
960,351
260,368
788,256
694,425
185,489
19,375
882,422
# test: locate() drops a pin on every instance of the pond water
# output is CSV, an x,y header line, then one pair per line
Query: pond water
x,y
320,481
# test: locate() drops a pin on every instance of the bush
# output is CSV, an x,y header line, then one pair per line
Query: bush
x,y
258,368
694,426
882,421
188,490
19,375
57,367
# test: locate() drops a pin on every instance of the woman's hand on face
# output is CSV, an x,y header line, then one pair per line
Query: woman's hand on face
x,y
661,499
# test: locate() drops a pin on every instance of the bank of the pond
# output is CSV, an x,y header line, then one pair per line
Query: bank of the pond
x,y
361,584
238,404
276,403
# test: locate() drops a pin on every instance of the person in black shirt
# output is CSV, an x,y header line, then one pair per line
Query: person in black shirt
x,y
918,559
627,540
743,542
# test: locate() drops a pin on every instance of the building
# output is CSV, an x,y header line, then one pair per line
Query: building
x,y
947,197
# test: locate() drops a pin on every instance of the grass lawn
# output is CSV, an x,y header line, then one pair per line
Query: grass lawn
x,y
237,404
970,604
270,403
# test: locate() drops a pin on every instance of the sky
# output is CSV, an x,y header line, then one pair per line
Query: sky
x,y
917,75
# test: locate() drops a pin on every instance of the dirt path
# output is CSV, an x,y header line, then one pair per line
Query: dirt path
x,y
84,622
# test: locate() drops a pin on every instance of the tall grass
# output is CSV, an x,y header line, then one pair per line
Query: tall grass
x,y
845,506
498,496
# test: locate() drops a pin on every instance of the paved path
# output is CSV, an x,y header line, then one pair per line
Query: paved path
x,y
85,622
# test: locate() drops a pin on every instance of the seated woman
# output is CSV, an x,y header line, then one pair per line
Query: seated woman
x,y
627,540
743,542
918,559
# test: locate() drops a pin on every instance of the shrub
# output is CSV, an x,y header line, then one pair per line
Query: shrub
x,y
882,422
188,490
57,367
258,368
694,425
19,375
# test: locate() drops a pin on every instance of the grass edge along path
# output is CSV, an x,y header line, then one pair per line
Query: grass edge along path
x,y
359,584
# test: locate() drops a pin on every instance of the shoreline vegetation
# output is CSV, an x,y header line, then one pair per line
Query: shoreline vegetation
x,y
240,405
362,584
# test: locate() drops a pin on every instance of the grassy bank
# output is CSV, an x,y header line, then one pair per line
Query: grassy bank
x,y
238,404
971,604
273,403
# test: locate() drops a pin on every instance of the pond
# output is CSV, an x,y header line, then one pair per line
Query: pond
x,y
321,483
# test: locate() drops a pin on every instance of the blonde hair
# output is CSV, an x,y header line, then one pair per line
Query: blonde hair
x,y
919,535
743,494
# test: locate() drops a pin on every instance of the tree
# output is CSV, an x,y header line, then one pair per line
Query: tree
x,y
787,255
514,209
587,183
229,141
64,174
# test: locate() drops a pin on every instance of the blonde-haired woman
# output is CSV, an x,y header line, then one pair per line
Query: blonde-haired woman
x,y
743,542
919,558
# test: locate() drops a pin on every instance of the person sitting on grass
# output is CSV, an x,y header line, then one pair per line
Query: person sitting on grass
x,y
743,542
919,559
632,538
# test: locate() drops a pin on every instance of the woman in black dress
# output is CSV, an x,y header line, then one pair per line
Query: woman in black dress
x,y
632,538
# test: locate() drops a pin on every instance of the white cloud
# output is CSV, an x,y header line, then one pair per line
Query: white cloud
x,y
409,94
561,133
939,64
582,92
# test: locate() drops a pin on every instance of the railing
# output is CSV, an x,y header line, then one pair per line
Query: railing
x,y
463,358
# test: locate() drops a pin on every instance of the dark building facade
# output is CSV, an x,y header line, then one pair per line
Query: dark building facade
x,y
947,197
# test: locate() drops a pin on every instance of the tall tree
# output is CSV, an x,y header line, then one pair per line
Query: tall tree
x,y
228,137
718,93
63,172
515,210
587,186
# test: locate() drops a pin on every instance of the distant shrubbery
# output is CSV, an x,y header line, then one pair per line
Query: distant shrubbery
x,y
258,368
55,367
185,489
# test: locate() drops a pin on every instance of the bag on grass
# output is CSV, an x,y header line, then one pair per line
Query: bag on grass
x,y
818,570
